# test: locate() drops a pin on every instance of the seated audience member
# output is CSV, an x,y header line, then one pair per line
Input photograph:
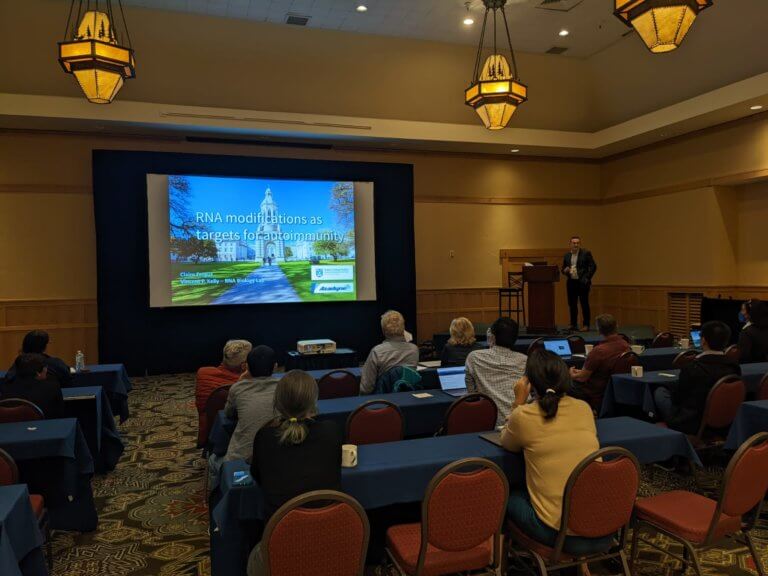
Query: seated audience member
x,y
681,404
209,378
36,342
31,383
495,370
591,380
555,432
294,453
250,401
394,351
753,338
460,344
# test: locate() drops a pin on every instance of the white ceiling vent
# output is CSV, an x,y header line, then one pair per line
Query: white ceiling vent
x,y
557,50
560,5
296,19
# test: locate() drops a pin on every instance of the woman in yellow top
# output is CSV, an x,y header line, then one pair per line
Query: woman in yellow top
x,y
554,432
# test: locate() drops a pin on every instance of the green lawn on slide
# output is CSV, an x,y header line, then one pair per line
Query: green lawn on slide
x,y
201,294
298,274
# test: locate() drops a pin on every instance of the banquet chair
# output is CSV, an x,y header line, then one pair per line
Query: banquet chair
x,y
626,338
762,389
537,344
700,523
337,384
470,413
732,353
215,404
374,422
9,474
597,503
461,520
333,537
623,364
684,358
723,402
578,346
19,410
663,340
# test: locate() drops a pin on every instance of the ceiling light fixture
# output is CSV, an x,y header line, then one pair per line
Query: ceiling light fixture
x,y
563,33
97,49
756,107
468,20
662,24
495,91
362,8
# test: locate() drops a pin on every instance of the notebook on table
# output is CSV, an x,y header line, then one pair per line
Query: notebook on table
x,y
492,437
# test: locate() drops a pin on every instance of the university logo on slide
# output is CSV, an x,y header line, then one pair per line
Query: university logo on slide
x,y
333,272
333,287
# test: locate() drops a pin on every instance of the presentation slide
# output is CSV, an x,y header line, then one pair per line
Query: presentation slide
x,y
226,240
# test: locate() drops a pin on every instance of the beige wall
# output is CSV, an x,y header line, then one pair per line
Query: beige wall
x,y
753,235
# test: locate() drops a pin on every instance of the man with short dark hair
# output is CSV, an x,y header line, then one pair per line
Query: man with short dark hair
x,y
36,342
495,370
579,267
681,404
590,382
31,383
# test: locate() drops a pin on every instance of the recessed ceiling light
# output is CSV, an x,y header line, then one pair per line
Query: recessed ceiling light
x,y
564,32
756,107
362,8
515,150
468,21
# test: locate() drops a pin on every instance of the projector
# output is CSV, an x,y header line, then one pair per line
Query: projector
x,y
321,346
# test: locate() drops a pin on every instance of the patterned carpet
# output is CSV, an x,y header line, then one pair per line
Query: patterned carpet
x,y
154,520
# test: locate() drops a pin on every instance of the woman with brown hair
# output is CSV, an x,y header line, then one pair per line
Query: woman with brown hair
x,y
460,344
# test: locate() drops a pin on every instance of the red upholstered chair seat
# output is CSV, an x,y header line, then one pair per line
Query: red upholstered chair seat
x,y
534,545
404,542
685,514
38,505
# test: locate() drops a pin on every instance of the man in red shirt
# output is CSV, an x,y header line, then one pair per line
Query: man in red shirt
x,y
211,377
590,382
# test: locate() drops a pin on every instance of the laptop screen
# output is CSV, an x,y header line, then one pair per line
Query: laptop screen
x,y
452,378
696,338
559,347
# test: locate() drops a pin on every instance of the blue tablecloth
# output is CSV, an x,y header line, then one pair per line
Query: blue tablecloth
x,y
20,537
751,419
99,427
626,389
61,446
399,472
423,416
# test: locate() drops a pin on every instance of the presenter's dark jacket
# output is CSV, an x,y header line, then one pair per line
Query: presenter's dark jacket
x,y
46,394
456,355
753,344
585,265
57,370
696,380
284,471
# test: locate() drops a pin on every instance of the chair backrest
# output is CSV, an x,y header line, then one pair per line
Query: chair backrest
x,y
470,413
515,280
19,410
745,483
537,344
685,357
626,338
578,346
599,496
471,494
732,353
332,539
215,403
374,422
337,384
723,402
623,364
762,389
663,340
9,473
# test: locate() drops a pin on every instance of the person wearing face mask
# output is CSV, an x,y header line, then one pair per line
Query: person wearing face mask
x,y
753,338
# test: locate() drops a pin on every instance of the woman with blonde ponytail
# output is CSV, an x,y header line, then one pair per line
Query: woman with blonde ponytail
x,y
295,453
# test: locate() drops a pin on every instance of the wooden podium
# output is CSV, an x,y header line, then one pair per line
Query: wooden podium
x,y
541,297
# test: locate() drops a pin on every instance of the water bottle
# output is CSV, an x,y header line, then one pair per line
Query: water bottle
x,y
79,361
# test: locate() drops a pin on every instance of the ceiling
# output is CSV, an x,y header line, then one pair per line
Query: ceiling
x,y
534,28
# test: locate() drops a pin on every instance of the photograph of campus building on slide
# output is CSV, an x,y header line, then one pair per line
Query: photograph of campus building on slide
x,y
258,241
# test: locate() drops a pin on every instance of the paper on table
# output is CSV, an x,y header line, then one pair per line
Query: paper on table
x,y
422,395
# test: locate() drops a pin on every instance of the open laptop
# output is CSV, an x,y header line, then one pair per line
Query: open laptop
x,y
696,338
559,347
452,380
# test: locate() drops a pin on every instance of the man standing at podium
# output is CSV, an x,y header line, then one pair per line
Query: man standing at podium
x,y
578,267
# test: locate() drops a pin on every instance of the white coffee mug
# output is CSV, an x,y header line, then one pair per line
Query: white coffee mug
x,y
588,348
637,371
684,343
637,349
349,455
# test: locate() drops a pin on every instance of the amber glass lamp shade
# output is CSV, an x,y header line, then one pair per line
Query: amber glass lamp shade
x,y
100,65
496,94
662,24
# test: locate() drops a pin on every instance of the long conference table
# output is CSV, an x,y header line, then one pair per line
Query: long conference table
x,y
399,472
